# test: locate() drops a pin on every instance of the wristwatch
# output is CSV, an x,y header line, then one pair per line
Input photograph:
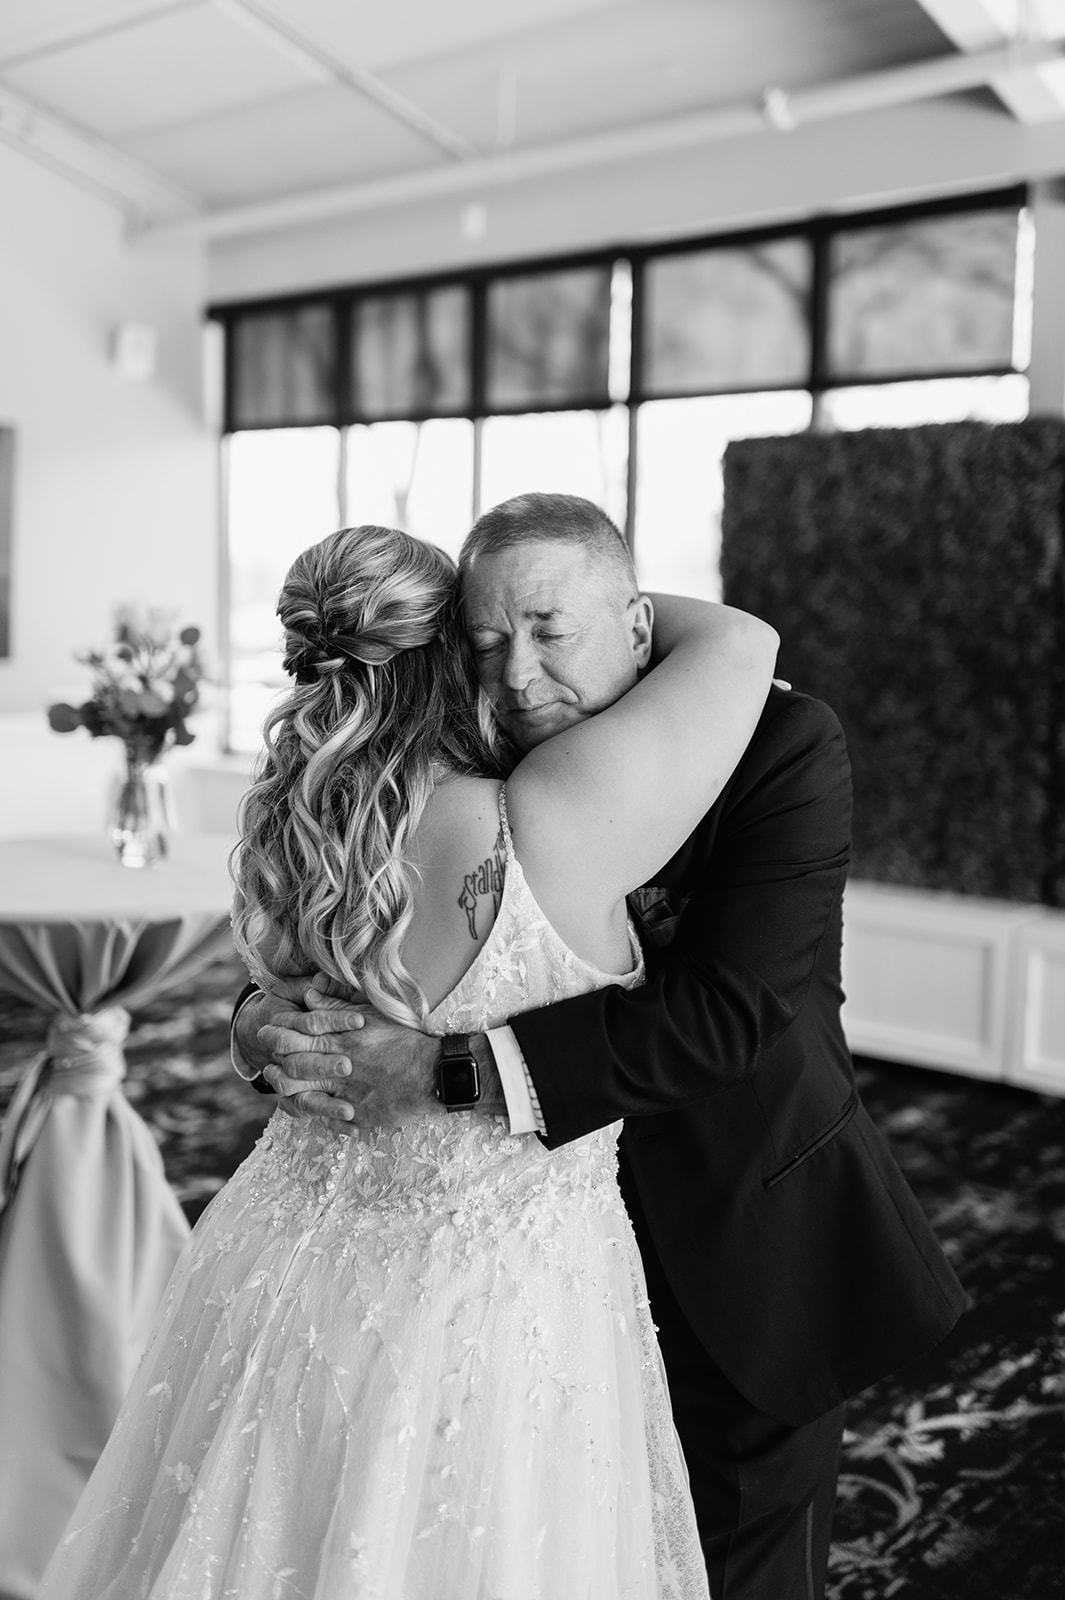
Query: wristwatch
x,y
458,1082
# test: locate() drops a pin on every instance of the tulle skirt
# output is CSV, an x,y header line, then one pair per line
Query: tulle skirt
x,y
378,1395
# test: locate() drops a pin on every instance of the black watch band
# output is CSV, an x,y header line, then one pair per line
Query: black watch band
x,y
458,1082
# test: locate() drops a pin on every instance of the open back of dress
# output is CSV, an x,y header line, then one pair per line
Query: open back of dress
x,y
407,1364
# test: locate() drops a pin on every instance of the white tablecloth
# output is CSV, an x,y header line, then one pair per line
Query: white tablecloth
x,y
89,1228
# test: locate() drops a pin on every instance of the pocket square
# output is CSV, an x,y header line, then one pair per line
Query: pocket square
x,y
657,912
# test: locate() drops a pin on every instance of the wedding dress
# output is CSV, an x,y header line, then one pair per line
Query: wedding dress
x,y
403,1364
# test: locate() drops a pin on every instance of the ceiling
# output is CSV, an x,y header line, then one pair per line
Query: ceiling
x,y
214,116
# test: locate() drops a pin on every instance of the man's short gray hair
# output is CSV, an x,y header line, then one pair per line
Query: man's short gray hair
x,y
551,519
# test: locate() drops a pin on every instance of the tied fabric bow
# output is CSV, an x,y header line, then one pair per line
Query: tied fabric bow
x,y
83,1057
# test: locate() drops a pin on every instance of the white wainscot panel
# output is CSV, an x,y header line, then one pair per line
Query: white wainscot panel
x,y
930,978
1038,1059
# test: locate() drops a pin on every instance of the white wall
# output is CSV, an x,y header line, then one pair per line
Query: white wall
x,y
880,158
114,481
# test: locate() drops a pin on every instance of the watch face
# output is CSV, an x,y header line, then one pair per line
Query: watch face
x,y
459,1080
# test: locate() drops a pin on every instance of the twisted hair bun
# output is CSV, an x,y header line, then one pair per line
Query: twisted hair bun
x,y
362,596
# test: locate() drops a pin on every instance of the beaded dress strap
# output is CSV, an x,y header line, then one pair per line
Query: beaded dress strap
x,y
504,823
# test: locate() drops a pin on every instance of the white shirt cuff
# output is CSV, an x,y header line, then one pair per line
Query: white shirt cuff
x,y
240,1066
523,1107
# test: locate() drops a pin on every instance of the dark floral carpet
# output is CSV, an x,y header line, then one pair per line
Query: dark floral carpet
x,y
953,1477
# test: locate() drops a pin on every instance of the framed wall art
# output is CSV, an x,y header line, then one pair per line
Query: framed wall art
x,y
7,512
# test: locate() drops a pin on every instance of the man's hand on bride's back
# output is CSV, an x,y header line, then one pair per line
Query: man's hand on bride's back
x,y
300,1010
330,1058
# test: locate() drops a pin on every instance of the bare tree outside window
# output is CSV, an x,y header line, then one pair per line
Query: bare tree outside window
x,y
935,295
728,319
7,509
548,338
284,366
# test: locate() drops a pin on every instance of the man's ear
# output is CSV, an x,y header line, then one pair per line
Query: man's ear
x,y
643,618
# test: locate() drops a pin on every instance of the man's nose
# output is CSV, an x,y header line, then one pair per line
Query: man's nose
x,y
520,666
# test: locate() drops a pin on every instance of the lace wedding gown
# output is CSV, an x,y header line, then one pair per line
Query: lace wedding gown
x,y
405,1364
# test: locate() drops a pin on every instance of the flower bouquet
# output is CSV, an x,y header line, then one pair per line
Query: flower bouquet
x,y
146,684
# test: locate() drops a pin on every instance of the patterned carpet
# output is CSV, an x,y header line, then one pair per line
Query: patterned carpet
x,y
953,1478
953,1482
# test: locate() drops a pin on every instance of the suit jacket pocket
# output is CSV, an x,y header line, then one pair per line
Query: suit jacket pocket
x,y
657,913
812,1146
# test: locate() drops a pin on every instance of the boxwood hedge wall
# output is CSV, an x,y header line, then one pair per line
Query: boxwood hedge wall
x,y
917,579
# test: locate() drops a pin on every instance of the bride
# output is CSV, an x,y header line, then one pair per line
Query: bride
x,y
417,1363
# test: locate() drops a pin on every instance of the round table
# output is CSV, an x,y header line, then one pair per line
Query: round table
x,y
89,1227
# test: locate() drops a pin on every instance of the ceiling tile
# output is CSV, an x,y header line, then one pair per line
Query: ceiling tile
x,y
376,37
28,26
174,67
315,139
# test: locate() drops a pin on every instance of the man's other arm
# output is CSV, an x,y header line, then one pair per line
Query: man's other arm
x,y
738,972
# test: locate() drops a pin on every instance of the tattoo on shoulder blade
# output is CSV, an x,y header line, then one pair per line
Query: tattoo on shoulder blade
x,y
486,883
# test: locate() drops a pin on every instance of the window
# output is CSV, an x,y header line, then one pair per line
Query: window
x,y
413,475
562,452
283,368
619,375
726,320
905,405
282,497
547,339
410,354
680,491
935,295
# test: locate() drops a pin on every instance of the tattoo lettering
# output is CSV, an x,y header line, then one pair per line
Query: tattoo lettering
x,y
485,882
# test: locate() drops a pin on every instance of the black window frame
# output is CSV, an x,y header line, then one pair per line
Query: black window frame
x,y
817,231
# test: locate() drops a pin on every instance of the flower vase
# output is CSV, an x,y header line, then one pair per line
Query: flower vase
x,y
140,814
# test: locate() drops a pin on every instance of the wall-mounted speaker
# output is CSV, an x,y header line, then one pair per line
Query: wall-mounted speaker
x,y
133,351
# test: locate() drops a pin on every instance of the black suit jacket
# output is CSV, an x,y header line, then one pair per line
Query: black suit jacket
x,y
784,1226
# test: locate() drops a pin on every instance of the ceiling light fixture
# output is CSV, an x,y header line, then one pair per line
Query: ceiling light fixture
x,y
777,107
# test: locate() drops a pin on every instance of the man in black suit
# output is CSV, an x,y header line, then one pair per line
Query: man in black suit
x,y
788,1263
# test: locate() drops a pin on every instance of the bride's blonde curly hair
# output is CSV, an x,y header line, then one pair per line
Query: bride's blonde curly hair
x,y
385,702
